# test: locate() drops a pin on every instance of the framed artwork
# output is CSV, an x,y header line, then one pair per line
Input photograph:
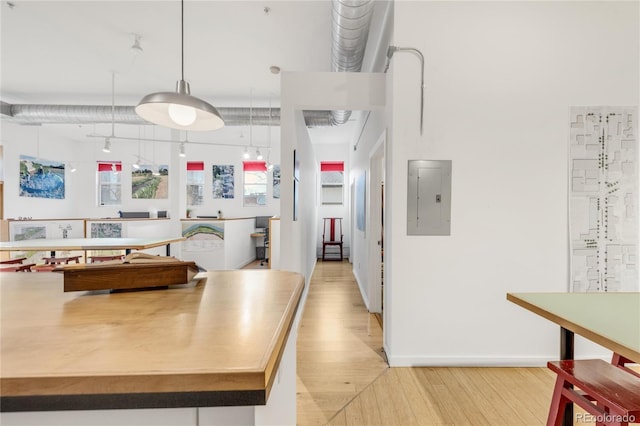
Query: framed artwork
x,y
203,236
41,178
223,181
360,201
27,232
603,199
106,230
276,181
296,184
150,182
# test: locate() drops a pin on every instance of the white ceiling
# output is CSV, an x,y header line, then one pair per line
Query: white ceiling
x,y
64,52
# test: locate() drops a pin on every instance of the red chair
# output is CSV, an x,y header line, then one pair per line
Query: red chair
x,y
331,236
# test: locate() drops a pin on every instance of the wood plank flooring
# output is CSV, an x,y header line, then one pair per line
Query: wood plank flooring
x,y
339,349
343,379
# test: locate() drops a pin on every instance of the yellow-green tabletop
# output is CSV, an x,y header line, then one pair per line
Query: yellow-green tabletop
x,y
611,320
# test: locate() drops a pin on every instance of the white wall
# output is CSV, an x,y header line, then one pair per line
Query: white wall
x,y
33,141
80,193
500,77
360,163
308,193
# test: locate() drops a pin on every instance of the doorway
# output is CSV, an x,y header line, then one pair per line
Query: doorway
x,y
376,242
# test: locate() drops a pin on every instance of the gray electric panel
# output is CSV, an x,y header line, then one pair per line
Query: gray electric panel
x,y
429,197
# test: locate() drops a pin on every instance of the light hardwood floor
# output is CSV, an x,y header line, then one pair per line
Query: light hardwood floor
x,y
339,345
343,378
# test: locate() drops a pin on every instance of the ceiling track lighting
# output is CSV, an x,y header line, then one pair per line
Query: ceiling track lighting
x,y
136,165
258,154
107,145
107,141
180,110
247,155
269,163
183,150
136,48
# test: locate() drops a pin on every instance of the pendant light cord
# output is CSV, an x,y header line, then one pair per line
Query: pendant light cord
x,y
113,103
182,35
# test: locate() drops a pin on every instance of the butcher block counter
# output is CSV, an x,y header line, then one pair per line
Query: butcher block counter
x,y
217,341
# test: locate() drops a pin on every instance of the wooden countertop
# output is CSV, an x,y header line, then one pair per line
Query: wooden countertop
x,y
217,342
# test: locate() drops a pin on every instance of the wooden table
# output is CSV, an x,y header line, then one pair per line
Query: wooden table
x,y
68,244
611,320
215,342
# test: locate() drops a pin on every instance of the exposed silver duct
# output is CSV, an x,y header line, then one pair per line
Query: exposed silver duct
x,y
89,114
350,22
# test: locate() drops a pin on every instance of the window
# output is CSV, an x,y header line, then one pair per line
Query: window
x,y
195,183
109,183
255,183
332,180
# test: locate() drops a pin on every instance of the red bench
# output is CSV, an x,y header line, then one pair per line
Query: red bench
x,y
98,259
50,263
15,261
16,265
21,267
622,362
607,392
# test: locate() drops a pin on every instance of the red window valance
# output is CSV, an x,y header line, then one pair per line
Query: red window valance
x,y
108,167
254,166
195,165
332,166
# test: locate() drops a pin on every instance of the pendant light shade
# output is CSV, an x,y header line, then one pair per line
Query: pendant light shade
x,y
179,110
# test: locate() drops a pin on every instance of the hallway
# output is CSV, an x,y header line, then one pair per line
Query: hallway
x,y
339,345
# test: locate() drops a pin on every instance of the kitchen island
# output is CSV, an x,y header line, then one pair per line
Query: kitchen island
x,y
219,350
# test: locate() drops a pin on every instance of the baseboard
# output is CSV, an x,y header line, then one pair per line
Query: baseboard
x,y
245,263
365,299
457,361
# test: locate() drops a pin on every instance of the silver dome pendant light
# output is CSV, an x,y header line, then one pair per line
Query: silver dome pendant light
x,y
179,110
